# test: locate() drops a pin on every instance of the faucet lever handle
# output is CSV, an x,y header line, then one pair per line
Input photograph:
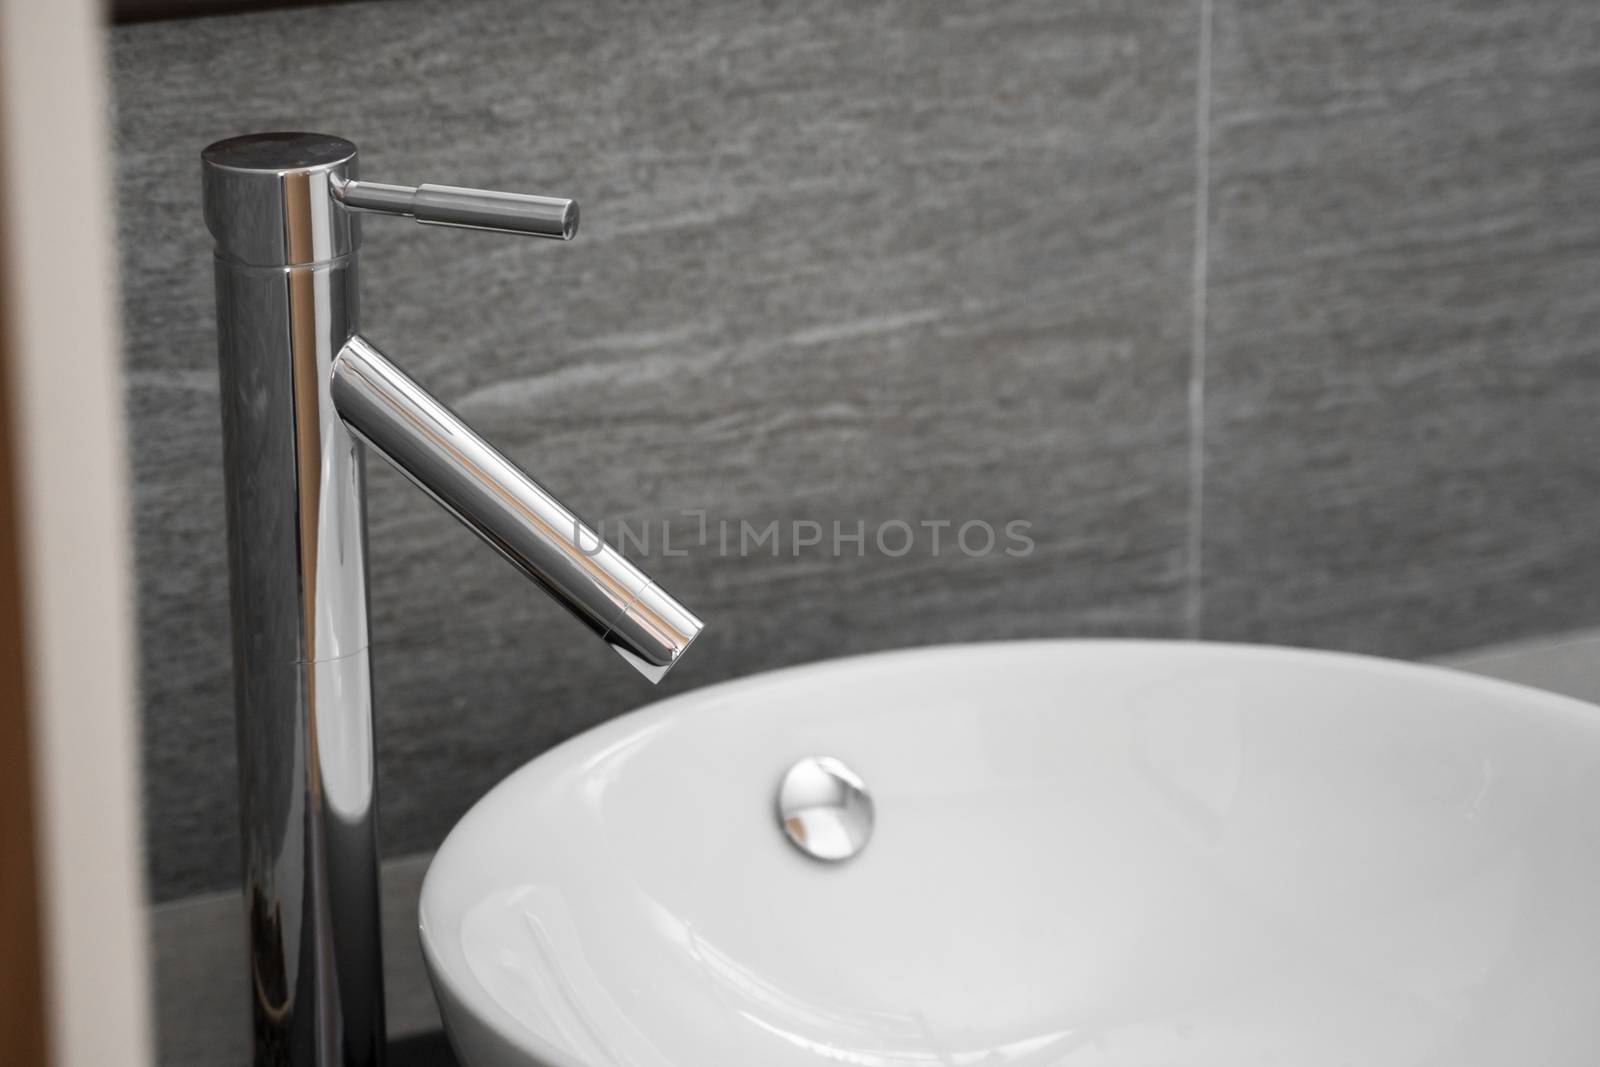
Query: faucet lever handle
x,y
471,209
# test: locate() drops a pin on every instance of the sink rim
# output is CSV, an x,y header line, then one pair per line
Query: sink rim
x,y
1522,702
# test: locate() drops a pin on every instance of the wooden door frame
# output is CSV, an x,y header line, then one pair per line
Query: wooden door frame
x,y
22,984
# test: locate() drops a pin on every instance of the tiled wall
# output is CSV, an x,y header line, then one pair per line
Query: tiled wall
x,y
1277,321
1402,426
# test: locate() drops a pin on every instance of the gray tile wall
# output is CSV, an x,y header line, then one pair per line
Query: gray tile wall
x,y
1403,348
839,261
904,260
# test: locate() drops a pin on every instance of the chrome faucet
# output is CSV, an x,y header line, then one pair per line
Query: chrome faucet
x,y
303,395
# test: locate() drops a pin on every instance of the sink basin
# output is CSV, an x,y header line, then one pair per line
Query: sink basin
x,y
1142,854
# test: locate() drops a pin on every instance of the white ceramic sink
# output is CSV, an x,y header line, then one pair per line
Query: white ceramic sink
x,y
1086,853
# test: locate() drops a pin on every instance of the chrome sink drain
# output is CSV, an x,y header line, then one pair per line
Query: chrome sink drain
x,y
825,809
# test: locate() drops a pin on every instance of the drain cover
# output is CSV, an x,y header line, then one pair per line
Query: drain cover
x,y
825,809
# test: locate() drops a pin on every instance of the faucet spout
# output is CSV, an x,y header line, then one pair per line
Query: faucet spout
x,y
515,515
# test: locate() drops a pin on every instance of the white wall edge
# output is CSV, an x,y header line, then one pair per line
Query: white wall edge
x,y
73,528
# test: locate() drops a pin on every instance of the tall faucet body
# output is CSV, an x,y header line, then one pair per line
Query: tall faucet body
x,y
303,397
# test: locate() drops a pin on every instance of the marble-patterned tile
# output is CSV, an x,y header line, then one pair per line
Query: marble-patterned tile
x,y
1402,447
839,262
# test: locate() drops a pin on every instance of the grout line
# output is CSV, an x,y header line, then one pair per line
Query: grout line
x,y
1197,339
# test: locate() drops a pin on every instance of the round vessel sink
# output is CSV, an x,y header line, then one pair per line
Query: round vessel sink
x,y
1081,854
